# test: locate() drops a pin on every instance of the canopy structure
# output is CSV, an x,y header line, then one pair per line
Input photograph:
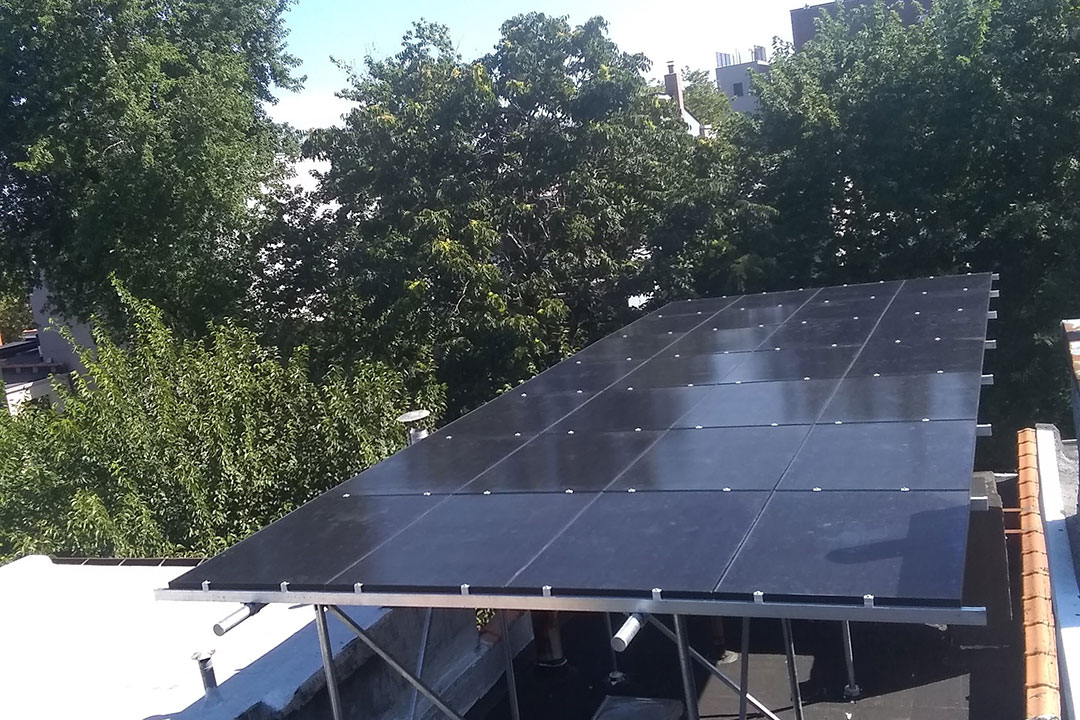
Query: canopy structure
x,y
794,454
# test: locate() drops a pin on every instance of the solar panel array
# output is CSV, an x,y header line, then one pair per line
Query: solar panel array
x,y
813,445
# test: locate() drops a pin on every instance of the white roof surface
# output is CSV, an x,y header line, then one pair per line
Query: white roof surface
x,y
90,641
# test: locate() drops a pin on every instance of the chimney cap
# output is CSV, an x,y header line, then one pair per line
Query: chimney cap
x,y
671,66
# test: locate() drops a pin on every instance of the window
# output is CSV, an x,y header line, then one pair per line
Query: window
x,y
737,89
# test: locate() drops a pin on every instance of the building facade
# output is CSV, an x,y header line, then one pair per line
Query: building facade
x,y
733,77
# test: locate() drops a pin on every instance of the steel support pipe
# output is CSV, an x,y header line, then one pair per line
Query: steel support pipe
x,y
420,661
398,667
615,676
629,630
704,662
547,638
744,668
793,672
687,670
511,681
852,689
328,663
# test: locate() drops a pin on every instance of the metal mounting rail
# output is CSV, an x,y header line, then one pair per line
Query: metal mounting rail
x,y
875,612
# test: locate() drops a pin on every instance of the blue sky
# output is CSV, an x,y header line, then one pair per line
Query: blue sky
x,y
688,33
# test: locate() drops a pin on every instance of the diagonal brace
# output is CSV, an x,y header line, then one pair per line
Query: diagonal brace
x,y
401,670
704,662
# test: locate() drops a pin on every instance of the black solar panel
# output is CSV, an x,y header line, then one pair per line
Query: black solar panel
x,y
810,444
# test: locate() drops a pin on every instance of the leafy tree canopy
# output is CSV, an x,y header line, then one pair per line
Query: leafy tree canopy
x,y
488,215
133,140
949,145
169,446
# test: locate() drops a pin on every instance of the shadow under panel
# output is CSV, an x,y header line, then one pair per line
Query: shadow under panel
x,y
310,546
739,458
634,542
885,456
892,545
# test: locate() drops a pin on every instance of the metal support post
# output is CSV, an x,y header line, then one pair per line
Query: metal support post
x,y
686,668
511,681
744,668
547,638
615,676
420,660
852,689
704,662
328,663
793,673
398,667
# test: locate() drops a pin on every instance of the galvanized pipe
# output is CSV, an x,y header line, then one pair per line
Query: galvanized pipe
x,y
687,670
236,617
398,667
615,676
852,689
704,662
793,673
744,668
328,663
511,681
547,638
420,659
206,670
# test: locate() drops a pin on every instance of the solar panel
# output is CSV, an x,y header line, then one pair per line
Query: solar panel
x,y
809,446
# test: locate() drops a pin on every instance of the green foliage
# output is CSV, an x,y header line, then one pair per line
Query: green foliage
x,y
133,139
169,446
488,216
15,316
894,151
704,100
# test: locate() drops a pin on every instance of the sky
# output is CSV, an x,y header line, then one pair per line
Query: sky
x,y
688,33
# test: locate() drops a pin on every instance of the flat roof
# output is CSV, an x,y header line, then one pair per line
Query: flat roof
x,y
797,454
89,641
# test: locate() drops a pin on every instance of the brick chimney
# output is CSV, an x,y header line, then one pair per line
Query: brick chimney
x,y
672,86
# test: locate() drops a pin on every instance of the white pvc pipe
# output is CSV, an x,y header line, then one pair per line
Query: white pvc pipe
x,y
629,629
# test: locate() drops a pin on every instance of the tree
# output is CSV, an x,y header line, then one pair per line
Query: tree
x,y
488,216
183,447
133,141
894,151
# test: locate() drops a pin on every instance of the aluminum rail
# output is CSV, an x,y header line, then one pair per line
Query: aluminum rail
x,y
659,606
